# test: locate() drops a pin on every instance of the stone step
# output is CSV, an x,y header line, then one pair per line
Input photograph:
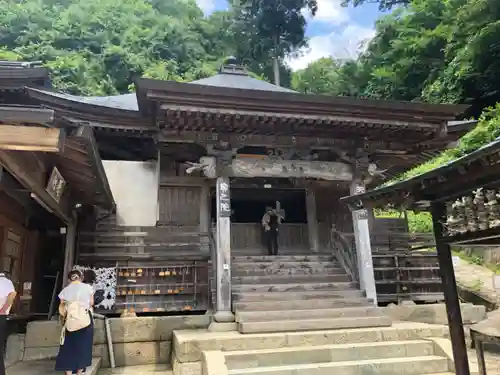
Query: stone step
x,y
268,271
46,367
285,264
155,369
320,303
313,324
289,279
283,258
292,296
189,344
342,312
295,287
328,353
385,366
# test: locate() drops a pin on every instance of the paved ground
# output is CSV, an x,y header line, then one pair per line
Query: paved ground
x,y
138,370
47,368
492,362
38,368
476,278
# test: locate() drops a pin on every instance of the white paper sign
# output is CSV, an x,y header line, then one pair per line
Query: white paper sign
x,y
456,260
496,282
225,267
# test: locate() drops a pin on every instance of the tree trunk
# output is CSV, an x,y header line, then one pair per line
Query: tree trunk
x,y
276,61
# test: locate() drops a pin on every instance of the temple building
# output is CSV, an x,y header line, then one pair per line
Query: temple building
x,y
164,190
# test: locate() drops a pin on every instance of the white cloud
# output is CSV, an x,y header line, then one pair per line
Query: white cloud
x,y
328,11
347,44
207,6
331,11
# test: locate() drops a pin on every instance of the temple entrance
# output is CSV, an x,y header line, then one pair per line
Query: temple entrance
x,y
249,205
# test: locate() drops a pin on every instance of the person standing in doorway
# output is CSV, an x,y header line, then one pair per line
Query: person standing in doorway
x,y
271,222
7,297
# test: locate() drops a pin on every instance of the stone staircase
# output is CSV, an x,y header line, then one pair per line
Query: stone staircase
x,y
402,349
298,293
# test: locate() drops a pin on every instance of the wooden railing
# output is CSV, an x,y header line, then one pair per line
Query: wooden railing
x,y
401,242
345,251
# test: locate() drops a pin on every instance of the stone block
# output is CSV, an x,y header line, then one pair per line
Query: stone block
x,y
123,330
36,354
135,353
186,368
222,327
154,328
314,324
189,344
47,333
328,353
351,312
14,350
434,313
214,363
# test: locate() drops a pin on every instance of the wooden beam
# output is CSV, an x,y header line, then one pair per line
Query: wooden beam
x,y
31,177
280,141
26,115
451,300
31,138
331,171
95,159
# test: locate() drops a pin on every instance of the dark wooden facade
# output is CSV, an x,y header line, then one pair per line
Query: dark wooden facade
x,y
177,124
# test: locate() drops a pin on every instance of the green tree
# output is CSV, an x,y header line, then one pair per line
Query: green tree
x,y
382,4
270,29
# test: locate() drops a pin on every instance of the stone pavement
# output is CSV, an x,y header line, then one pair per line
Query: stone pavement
x,y
138,370
45,367
476,278
492,361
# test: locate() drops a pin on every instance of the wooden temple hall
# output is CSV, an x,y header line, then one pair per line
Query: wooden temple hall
x,y
162,191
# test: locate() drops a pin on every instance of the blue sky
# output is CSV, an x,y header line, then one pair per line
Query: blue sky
x,y
335,31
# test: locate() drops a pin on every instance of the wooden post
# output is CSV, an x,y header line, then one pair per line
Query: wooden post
x,y
222,260
69,252
205,224
363,246
312,222
450,292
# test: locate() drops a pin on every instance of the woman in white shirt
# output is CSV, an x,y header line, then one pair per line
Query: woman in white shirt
x,y
75,354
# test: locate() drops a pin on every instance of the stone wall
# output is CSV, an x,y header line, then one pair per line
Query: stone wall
x,y
136,341
433,313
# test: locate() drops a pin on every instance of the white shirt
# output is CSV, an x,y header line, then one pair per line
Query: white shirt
x,y
78,292
6,288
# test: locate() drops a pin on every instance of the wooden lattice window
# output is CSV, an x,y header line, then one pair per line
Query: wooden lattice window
x,y
11,257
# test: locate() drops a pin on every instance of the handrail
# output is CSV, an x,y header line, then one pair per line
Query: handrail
x,y
345,252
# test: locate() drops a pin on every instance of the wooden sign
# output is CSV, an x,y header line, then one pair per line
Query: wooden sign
x,y
31,138
332,171
223,197
56,184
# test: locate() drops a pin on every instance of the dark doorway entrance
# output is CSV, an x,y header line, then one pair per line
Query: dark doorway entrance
x,y
249,205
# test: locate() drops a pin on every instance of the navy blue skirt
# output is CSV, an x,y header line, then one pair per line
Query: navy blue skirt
x,y
76,352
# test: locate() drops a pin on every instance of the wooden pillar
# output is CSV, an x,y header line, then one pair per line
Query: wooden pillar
x,y
363,246
69,251
450,293
312,221
205,224
222,259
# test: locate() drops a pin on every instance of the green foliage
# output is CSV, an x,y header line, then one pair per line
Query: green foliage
x,y
382,4
100,47
269,30
420,222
